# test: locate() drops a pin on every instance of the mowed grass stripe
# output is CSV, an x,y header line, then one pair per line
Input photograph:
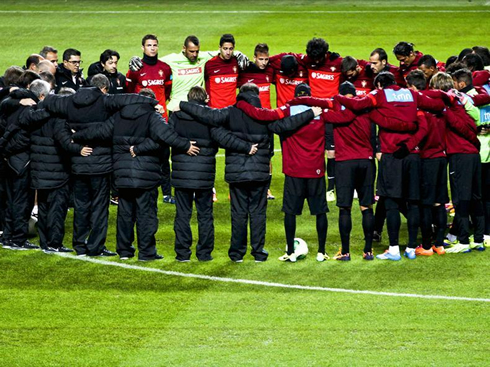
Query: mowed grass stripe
x,y
237,11
269,284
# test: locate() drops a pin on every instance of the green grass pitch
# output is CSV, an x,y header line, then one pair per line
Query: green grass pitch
x,y
62,312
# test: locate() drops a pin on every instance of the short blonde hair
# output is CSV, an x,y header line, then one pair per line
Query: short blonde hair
x,y
442,81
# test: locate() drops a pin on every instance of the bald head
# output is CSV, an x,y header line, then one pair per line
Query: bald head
x,y
46,65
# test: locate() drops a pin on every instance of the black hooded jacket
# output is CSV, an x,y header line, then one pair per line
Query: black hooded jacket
x,y
64,79
198,172
86,108
140,126
241,167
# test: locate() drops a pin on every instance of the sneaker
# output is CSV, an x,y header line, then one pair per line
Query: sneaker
x,y
290,258
205,259
331,195
105,253
64,249
114,200
410,254
183,260
486,240
322,257
420,251
458,248
169,199
157,257
439,250
342,257
387,256
376,236
270,196
368,256
449,243
29,246
477,246
13,246
123,258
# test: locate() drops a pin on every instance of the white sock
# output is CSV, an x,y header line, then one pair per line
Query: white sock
x,y
451,237
394,250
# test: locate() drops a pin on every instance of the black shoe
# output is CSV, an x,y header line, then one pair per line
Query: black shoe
x,y
64,249
106,253
29,246
127,257
157,257
205,259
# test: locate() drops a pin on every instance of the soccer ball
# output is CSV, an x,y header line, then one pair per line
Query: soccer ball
x,y
300,248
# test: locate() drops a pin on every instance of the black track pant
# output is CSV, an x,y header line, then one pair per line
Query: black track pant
x,y
91,203
3,202
137,206
182,226
248,203
53,205
20,199
165,165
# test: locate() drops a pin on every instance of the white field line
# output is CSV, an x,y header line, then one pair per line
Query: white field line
x,y
269,284
238,11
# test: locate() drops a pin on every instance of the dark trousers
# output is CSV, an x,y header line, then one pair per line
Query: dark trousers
x,y
205,221
91,203
137,206
165,165
53,205
248,202
20,199
3,202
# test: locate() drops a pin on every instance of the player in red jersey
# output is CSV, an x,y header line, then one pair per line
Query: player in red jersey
x,y
155,74
430,67
221,74
287,75
378,62
408,57
354,71
481,76
260,73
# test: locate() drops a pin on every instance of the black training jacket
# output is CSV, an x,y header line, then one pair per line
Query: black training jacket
x,y
117,80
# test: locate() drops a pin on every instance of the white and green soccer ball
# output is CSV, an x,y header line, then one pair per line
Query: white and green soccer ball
x,y
300,248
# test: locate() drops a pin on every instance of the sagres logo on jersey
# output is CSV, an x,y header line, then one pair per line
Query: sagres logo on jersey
x,y
191,71
223,79
322,76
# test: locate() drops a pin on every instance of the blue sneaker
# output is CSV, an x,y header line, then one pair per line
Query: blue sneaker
x,y
387,256
410,254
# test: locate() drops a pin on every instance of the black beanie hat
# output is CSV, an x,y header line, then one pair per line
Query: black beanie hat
x,y
302,90
289,64
347,88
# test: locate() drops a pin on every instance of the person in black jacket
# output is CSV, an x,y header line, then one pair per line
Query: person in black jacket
x,y
107,65
50,173
135,133
84,109
193,177
14,146
69,74
248,175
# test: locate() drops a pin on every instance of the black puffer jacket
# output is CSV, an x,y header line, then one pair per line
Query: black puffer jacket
x,y
15,142
241,167
198,172
50,163
117,80
64,79
90,107
140,126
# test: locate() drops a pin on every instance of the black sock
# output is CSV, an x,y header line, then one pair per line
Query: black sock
x,y
345,227
478,219
487,217
321,229
380,215
413,223
426,226
440,220
290,228
368,226
393,221
331,173
463,220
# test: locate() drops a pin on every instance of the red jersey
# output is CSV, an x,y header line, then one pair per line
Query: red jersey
x,y
263,80
157,77
481,77
324,79
285,85
405,69
363,81
221,78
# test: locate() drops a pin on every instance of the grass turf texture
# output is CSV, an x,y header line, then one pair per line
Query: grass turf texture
x,y
58,311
